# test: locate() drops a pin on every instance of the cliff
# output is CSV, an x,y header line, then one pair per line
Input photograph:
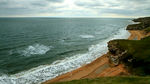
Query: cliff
x,y
134,54
143,24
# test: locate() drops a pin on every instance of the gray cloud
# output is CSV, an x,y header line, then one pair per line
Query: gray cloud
x,y
57,1
3,3
118,11
88,4
74,7
39,4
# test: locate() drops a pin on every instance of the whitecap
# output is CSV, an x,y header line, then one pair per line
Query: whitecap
x,y
86,36
35,49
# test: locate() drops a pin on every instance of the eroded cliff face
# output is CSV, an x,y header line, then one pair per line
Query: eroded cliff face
x,y
116,54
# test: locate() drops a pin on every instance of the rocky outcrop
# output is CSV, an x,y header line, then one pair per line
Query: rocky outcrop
x,y
144,23
144,19
135,27
116,54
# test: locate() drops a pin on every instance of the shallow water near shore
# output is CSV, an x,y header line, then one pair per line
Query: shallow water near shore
x,y
33,50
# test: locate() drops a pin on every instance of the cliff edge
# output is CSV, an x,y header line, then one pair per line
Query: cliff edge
x,y
134,54
143,23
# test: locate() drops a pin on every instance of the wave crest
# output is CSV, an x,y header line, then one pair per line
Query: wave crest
x,y
86,36
35,49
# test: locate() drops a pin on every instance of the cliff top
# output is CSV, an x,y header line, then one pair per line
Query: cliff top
x,y
144,23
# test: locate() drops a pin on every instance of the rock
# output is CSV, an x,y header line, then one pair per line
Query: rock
x,y
144,23
116,54
143,19
135,27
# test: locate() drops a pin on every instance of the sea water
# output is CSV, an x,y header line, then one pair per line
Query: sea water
x,y
33,50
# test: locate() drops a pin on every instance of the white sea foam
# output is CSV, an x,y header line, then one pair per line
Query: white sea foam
x,y
45,72
36,49
132,22
86,36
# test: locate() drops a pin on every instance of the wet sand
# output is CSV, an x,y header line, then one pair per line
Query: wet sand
x,y
99,67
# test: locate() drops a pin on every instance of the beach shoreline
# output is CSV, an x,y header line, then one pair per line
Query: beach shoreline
x,y
97,68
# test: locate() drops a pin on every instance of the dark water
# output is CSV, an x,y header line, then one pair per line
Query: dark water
x,y
27,43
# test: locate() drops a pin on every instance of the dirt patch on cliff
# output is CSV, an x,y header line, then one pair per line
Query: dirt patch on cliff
x,y
138,34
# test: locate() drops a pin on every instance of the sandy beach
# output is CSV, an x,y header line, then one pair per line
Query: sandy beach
x,y
99,67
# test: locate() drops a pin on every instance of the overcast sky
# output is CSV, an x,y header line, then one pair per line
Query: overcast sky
x,y
74,8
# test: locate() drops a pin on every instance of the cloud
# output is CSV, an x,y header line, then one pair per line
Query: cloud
x,y
89,4
57,1
39,4
75,8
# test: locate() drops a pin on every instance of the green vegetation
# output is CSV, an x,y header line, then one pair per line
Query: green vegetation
x,y
144,23
138,52
147,30
111,80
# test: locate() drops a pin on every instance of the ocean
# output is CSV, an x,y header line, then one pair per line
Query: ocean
x,y
33,50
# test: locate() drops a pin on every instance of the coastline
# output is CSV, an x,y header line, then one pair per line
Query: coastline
x,y
99,67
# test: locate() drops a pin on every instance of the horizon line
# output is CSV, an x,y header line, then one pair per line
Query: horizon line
x,y
60,17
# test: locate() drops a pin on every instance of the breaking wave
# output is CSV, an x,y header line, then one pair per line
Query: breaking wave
x,y
46,72
35,49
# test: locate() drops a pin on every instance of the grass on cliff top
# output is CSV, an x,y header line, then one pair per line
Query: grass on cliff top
x,y
147,30
137,48
111,80
139,51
